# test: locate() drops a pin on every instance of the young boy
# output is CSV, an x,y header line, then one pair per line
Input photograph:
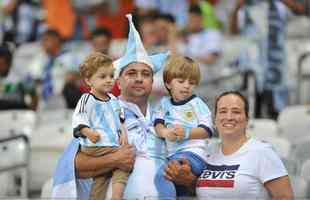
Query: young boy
x,y
183,119
99,119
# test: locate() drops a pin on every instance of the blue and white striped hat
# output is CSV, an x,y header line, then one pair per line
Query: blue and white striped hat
x,y
135,52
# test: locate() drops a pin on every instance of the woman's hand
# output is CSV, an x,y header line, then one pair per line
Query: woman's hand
x,y
180,173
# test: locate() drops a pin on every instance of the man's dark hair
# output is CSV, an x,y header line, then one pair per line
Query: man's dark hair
x,y
195,9
166,16
102,31
52,33
6,53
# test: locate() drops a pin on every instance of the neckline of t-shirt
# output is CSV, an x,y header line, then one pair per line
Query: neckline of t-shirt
x,y
180,103
240,150
98,99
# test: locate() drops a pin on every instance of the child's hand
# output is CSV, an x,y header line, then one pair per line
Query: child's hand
x,y
170,134
179,132
94,137
123,139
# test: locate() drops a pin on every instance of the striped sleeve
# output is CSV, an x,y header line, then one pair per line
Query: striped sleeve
x,y
160,112
82,113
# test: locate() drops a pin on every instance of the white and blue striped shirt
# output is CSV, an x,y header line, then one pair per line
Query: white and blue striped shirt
x,y
101,116
190,113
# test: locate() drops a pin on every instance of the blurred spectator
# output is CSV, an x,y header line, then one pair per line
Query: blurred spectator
x,y
144,8
60,16
265,22
177,8
210,19
74,85
111,15
101,40
201,44
20,20
149,33
48,77
167,32
83,7
15,92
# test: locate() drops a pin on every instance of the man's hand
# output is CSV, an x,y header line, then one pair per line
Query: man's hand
x,y
180,173
120,158
125,157
93,136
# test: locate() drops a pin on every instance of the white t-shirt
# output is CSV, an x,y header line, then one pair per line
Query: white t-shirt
x,y
241,175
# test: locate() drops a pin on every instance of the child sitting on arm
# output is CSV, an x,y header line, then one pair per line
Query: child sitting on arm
x,y
183,119
99,119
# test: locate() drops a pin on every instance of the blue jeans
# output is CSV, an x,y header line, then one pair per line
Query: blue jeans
x,y
197,166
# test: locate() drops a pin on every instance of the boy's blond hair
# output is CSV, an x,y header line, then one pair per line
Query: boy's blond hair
x,y
93,62
178,66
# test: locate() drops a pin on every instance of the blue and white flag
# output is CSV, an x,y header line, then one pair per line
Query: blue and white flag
x,y
64,182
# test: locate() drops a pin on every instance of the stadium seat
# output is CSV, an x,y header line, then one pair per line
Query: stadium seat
x,y
8,188
262,128
302,151
48,142
305,170
56,101
281,145
24,56
303,77
14,154
18,121
56,115
294,123
46,191
292,166
300,186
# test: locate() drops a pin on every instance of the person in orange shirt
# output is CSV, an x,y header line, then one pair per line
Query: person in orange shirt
x,y
106,16
60,16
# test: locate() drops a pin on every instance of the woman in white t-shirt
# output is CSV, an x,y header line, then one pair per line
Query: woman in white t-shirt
x,y
238,167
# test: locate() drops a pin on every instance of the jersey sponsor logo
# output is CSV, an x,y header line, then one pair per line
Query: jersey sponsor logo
x,y
218,176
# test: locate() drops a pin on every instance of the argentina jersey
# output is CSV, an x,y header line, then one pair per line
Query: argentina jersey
x,y
141,133
190,113
101,116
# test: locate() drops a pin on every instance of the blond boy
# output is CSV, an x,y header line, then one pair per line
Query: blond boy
x,y
183,119
99,119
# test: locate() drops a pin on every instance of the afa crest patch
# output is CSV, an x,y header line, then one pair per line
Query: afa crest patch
x,y
189,115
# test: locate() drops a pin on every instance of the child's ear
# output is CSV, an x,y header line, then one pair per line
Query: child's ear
x,y
87,82
168,86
